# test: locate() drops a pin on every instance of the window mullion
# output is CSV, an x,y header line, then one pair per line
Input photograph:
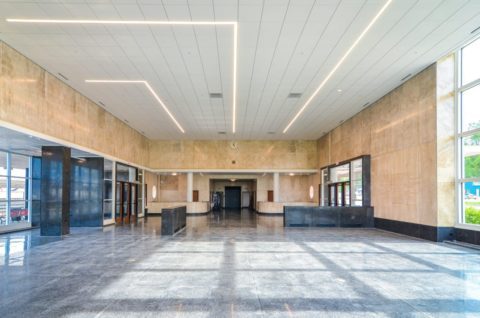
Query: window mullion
x,y
466,87
9,186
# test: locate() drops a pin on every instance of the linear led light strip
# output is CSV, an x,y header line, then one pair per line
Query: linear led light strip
x,y
339,63
155,22
155,95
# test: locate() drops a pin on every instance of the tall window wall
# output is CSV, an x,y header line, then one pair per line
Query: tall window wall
x,y
15,189
468,133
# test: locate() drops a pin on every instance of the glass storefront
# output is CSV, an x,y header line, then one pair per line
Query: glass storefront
x,y
15,189
343,184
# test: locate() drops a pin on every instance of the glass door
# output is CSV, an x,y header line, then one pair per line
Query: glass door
x,y
118,202
126,203
340,197
332,195
133,202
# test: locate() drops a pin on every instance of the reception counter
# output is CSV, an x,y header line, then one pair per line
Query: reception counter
x,y
173,220
277,207
318,216
201,207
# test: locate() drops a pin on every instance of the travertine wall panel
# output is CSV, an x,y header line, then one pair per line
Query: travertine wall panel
x,y
446,141
297,188
211,154
36,100
399,132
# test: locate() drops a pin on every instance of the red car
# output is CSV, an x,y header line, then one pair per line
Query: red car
x,y
18,214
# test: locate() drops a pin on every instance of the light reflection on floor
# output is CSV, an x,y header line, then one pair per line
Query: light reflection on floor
x,y
234,264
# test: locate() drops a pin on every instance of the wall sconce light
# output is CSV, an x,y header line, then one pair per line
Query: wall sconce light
x,y
311,192
154,192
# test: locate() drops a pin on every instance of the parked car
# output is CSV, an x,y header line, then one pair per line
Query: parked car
x,y
19,214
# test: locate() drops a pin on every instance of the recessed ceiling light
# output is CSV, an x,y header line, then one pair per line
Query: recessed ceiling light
x,y
174,173
339,63
233,180
404,78
63,76
148,87
234,24
294,95
339,90
216,95
291,174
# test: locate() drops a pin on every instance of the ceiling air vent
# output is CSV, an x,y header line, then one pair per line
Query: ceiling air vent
x,y
271,133
406,77
475,30
216,95
294,95
222,132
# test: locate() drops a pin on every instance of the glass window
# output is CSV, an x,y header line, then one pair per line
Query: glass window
x,y
470,62
471,202
357,186
468,138
470,101
340,173
122,172
18,189
3,188
18,211
3,163
108,168
19,166
3,213
471,156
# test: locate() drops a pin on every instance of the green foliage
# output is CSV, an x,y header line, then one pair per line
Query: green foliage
x,y
472,215
472,166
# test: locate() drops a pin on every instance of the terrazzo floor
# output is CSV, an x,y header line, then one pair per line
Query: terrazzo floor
x,y
235,264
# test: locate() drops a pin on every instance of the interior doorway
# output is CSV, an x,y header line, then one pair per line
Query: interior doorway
x,y
233,197
234,192
126,202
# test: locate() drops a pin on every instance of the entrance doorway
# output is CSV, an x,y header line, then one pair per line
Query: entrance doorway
x,y
339,194
126,202
233,197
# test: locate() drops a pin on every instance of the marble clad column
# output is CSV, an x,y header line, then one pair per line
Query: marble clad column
x,y
276,187
190,187
55,191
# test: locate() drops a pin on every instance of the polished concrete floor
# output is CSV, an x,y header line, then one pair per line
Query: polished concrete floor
x,y
235,264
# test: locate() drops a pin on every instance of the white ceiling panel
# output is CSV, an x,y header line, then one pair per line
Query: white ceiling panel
x,y
284,46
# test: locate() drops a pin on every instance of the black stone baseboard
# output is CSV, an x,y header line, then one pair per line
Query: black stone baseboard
x,y
467,236
270,214
197,214
426,232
